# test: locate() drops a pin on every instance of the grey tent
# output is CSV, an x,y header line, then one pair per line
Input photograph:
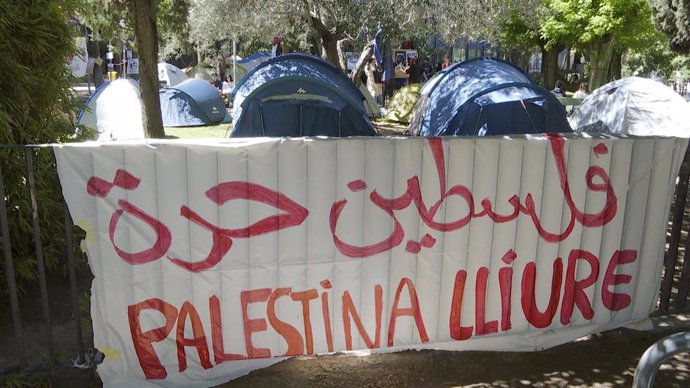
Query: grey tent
x,y
633,106
298,95
191,103
485,96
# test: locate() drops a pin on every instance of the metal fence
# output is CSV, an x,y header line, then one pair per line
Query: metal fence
x,y
30,344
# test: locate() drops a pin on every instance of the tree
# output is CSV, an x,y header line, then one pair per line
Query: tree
x,y
112,19
146,33
336,24
604,30
673,18
36,107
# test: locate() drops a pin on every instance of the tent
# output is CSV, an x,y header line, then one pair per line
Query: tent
x,y
245,65
370,105
633,106
298,95
402,103
193,102
483,97
254,60
114,111
202,72
170,75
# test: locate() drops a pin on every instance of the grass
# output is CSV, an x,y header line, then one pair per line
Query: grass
x,y
212,131
222,131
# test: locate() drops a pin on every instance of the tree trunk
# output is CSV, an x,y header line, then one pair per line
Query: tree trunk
x,y
615,67
599,59
342,57
146,34
550,66
361,62
330,47
329,39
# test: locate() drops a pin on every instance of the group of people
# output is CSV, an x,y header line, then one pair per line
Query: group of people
x,y
582,91
411,70
224,84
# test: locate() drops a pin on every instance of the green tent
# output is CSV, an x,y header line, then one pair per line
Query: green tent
x,y
202,72
402,103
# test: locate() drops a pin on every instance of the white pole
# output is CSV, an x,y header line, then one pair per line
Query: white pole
x,y
234,58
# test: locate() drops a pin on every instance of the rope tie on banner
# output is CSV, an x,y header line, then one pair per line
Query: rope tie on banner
x,y
92,357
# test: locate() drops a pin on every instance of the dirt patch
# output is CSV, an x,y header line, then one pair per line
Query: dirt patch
x,y
604,360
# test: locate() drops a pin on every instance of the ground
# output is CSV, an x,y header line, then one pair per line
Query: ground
x,y
602,360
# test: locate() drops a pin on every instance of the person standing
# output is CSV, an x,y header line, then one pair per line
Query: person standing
x,y
374,87
446,61
276,48
414,72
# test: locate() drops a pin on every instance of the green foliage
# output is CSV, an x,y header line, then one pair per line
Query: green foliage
x,y
580,23
655,59
673,18
515,32
113,20
36,106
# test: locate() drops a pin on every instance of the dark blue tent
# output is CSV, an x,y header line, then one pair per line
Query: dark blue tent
x,y
190,103
298,95
483,97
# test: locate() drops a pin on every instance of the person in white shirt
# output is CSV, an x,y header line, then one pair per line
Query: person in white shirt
x,y
582,92
276,48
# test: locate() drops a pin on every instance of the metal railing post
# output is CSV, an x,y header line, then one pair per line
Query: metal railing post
x,y
9,271
28,152
655,355
73,283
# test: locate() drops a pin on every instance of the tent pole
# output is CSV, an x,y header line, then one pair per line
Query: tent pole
x,y
234,60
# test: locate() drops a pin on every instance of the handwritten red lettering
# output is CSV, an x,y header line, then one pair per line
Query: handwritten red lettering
x,y
612,300
349,310
286,330
505,282
304,297
458,332
529,305
143,341
199,341
573,292
481,326
413,311
292,214
219,354
326,313
413,194
254,325
163,237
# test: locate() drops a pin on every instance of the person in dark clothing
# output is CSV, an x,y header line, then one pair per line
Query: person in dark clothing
x,y
414,72
217,81
558,89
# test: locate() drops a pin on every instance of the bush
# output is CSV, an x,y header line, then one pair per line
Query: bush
x,y
36,107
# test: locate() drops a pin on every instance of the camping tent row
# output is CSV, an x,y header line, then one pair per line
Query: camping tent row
x,y
114,109
300,95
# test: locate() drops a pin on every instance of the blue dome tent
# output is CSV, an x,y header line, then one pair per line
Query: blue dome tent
x,y
484,97
191,103
298,95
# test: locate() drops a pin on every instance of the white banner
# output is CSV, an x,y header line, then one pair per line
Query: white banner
x,y
212,259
